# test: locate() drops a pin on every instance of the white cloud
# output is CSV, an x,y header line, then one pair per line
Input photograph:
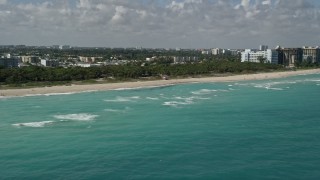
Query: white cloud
x,y
178,23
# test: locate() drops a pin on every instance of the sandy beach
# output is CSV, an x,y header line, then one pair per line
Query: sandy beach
x,y
121,85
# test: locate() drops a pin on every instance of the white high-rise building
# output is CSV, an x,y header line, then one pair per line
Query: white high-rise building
x,y
270,55
263,47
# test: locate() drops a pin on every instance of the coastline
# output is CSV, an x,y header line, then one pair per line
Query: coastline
x,y
140,84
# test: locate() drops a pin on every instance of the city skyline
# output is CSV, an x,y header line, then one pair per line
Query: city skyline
x,y
161,24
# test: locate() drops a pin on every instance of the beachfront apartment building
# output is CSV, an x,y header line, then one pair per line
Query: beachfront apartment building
x,y
311,54
288,57
270,56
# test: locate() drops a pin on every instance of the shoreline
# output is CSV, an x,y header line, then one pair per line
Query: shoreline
x,y
145,84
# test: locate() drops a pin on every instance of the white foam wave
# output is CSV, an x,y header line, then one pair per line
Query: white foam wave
x,y
270,85
33,124
143,87
185,101
112,110
117,110
2,98
277,89
58,94
313,80
192,98
123,99
176,103
76,117
208,91
204,91
152,98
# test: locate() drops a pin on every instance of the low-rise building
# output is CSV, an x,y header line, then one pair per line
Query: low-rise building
x,y
184,59
87,65
89,59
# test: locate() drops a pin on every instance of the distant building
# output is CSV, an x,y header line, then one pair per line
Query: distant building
x,y
270,55
234,52
226,52
205,52
9,62
49,63
89,59
87,65
55,46
216,51
263,47
29,59
182,60
64,47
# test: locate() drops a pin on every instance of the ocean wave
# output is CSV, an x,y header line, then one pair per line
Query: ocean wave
x,y
117,110
204,91
192,98
34,124
208,91
123,89
271,85
143,87
152,98
177,103
277,89
312,80
76,117
3,98
58,94
112,110
184,98
185,101
122,99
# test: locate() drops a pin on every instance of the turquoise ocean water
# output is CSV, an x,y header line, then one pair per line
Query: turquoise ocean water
x,y
239,130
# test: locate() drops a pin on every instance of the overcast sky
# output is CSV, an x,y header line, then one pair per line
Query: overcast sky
x,y
161,23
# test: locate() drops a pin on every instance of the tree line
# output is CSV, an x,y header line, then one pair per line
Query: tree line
x,y
129,71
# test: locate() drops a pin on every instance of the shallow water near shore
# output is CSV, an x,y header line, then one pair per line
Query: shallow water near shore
x,y
238,130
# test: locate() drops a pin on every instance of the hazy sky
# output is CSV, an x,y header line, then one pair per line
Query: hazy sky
x,y
161,23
